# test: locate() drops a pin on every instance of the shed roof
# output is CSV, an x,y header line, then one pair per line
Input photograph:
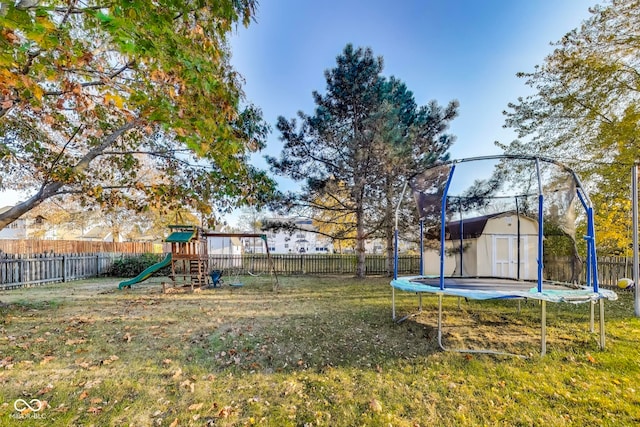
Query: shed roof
x,y
472,228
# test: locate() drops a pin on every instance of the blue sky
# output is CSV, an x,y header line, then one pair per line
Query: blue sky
x,y
469,50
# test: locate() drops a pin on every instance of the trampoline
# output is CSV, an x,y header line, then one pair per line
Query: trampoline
x,y
485,239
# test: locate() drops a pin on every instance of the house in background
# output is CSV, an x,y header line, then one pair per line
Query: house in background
x,y
303,240
499,245
16,230
97,234
24,227
224,245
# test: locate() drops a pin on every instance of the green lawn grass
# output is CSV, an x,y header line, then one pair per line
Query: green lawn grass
x,y
322,351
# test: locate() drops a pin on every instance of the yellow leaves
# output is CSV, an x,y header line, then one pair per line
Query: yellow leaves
x,y
113,99
45,23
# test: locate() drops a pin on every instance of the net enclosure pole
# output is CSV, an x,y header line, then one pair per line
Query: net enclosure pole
x,y
421,246
540,226
443,223
395,233
634,210
587,238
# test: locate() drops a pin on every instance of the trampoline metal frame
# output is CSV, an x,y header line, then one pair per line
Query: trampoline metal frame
x,y
591,267
543,324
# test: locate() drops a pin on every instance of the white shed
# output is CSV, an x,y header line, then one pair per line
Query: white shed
x,y
498,245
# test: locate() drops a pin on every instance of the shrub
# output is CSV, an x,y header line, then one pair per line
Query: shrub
x,y
131,266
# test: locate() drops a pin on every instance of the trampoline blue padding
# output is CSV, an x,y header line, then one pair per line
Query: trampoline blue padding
x,y
485,288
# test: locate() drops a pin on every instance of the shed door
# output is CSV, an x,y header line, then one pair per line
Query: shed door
x,y
505,256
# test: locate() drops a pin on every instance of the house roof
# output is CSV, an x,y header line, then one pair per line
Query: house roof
x,y
472,228
96,233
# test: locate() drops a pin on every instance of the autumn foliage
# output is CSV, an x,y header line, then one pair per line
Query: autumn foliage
x,y
128,103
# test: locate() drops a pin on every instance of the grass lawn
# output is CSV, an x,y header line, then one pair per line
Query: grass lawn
x,y
322,351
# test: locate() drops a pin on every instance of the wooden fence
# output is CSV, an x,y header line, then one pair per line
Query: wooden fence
x,y
292,264
29,270
18,271
561,269
610,270
29,246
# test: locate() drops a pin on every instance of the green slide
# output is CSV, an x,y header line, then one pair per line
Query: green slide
x,y
147,272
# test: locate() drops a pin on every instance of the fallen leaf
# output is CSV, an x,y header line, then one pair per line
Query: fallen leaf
x,y
225,412
375,406
591,359
45,390
96,400
174,423
95,410
46,360
127,337
177,374
188,385
83,395
196,406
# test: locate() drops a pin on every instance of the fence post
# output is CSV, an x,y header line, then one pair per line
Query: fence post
x,y
21,269
64,268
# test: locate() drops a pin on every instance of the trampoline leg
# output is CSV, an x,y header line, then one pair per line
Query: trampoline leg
x,y
543,331
602,324
459,300
592,328
393,303
440,322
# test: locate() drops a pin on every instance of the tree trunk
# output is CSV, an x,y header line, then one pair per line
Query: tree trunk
x,y
390,253
389,226
361,268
